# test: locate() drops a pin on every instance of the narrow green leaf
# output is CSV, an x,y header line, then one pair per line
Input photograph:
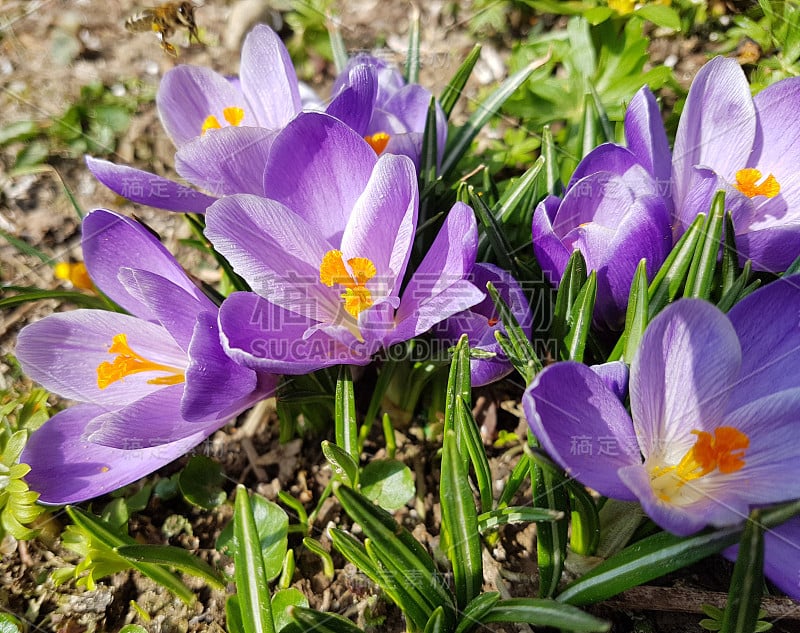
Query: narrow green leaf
x,y
250,574
637,316
344,467
327,562
467,430
100,530
460,520
171,556
602,116
318,622
414,608
701,273
516,514
643,561
385,373
730,257
23,247
459,384
485,111
429,158
551,537
518,192
581,319
520,349
436,623
233,615
587,132
585,525
494,232
521,470
411,70
737,290
345,414
338,47
475,610
452,91
545,613
572,281
744,596
549,153
25,294
672,274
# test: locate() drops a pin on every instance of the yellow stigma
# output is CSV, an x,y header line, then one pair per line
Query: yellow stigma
x,y
129,362
233,115
333,271
724,452
747,179
76,274
378,141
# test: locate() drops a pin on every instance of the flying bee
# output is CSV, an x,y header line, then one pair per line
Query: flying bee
x,y
164,21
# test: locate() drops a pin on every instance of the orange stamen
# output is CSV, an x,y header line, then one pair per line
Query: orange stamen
x,y
357,297
75,273
747,183
378,141
128,362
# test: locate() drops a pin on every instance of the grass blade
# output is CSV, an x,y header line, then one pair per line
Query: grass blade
x,y
744,596
452,91
672,274
467,430
411,70
345,414
515,514
177,557
581,319
545,613
701,273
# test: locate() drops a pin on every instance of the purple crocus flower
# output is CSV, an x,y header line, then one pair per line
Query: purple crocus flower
x,y
394,121
326,250
150,386
614,212
714,410
481,322
748,147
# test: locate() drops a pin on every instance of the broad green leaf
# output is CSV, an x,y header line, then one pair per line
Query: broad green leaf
x,y
201,482
343,465
250,573
177,557
660,15
272,526
233,615
282,601
460,521
387,483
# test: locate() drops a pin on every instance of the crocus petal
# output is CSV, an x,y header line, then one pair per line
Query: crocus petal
x,y
406,144
170,305
771,249
681,377
777,145
647,139
769,354
66,468
319,167
354,102
187,95
606,158
438,283
384,219
289,252
148,189
268,78
216,387
717,126
615,376
551,253
226,161
64,350
111,241
583,426
264,336
782,557
152,420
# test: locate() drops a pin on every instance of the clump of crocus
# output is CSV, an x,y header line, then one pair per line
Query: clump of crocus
x,y
326,250
714,409
150,386
393,120
750,148
614,212
481,322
